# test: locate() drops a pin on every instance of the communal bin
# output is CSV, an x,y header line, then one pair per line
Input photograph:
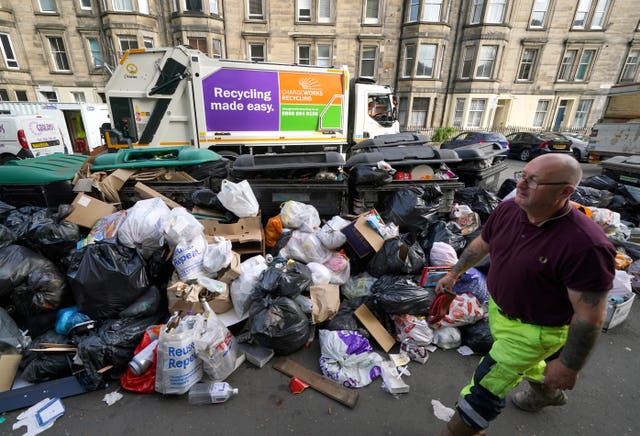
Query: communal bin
x,y
44,181
314,178
206,168
481,165
420,165
623,169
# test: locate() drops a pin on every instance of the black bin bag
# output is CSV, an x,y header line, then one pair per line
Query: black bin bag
x,y
105,278
278,323
399,255
401,295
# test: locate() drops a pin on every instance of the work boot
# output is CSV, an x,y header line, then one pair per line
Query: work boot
x,y
457,427
537,397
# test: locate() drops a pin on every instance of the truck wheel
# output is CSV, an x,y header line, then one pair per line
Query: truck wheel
x,y
6,158
576,154
525,154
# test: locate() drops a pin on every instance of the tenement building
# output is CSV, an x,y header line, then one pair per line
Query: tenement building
x,y
472,64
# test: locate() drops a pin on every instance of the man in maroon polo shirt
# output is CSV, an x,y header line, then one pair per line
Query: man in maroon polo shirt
x,y
551,269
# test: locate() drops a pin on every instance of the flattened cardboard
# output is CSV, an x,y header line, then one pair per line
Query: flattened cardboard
x,y
146,192
246,235
233,271
373,326
87,210
361,237
8,369
114,182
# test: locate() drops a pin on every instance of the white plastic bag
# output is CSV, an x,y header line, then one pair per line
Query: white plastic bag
x,y
188,257
182,226
144,226
447,337
238,198
465,309
330,234
305,247
442,254
216,347
242,287
320,274
413,328
217,255
348,359
301,216
178,367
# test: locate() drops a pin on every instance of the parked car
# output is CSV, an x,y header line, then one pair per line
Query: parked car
x,y
579,144
467,138
526,145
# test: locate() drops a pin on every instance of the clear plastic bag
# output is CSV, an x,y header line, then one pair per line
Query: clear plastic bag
x,y
330,234
217,348
301,216
305,247
217,255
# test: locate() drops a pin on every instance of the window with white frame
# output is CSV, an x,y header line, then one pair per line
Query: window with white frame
x,y
539,14
584,65
403,111
96,53
324,55
458,112
566,66
467,62
527,64
476,112
127,42
255,10
486,61
488,11
541,113
8,52
426,60
368,61
122,5
582,113
591,14
576,64
314,11
413,10
256,52
630,69
143,7
432,11
198,43
419,112
79,97
58,53
47,6
147,42
304,54
193,5
214,8
372,12
85,5
409,59
216,48
50,96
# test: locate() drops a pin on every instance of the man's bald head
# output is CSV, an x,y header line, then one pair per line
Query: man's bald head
x,y
560,167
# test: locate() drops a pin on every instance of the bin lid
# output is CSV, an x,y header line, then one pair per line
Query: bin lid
x,y
404,155
55,167
479,151
391,140
288,161
154,157
622,163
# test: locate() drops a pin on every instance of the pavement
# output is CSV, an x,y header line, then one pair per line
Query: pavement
x,y
603,402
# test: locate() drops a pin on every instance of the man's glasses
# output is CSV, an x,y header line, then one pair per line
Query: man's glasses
x,y
532,184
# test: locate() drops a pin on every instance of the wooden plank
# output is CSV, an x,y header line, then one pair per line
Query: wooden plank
x,y
373,326
30,395
346,396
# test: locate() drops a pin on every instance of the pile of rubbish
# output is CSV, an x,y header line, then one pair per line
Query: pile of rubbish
x,y
148,294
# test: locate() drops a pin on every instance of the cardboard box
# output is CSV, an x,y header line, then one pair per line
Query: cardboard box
x,y
362,237
246,235
373,326
219,304
8,369
232,272
87,210
146,192
617,313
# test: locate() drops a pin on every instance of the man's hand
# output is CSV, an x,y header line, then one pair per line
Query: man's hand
x,y
444,296
558,376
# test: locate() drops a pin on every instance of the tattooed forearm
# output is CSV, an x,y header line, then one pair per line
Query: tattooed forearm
x,y
582,336
468,258
593,299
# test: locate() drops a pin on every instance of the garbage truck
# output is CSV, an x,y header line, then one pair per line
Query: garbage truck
x,y
177,96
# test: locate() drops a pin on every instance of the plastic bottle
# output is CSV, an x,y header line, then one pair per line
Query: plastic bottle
x,y
142,361
211,393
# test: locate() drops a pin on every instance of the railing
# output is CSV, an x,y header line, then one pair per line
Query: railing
x,y
429,131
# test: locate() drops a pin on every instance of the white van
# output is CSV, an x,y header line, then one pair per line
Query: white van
x,y
24,136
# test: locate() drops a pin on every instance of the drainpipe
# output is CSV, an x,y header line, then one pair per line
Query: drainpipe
x,y
454,57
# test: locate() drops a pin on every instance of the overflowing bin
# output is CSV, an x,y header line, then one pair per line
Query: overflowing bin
x,y
481,165
315,178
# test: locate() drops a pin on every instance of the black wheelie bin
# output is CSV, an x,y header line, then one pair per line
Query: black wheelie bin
x,y
481,165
